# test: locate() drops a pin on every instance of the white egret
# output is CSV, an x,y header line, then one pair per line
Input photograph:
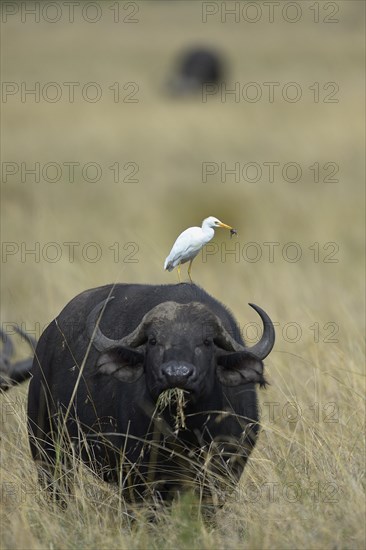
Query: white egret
x,y
190,242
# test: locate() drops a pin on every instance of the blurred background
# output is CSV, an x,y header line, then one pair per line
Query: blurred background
x,y
110,157
158,160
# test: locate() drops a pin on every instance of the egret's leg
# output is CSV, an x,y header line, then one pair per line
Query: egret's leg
x,y
178,269
189,271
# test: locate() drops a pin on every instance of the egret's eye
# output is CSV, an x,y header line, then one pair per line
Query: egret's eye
x,y
207,342
152,341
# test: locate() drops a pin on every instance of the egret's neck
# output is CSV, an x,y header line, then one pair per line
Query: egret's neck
x,y
208,230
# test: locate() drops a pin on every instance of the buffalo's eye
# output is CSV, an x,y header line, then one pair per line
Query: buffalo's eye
x,y
152,341
207,342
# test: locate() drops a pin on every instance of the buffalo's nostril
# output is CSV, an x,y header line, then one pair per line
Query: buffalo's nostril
x,y
176,372
177,369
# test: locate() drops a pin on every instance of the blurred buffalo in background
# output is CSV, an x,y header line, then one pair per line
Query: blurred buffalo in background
x,y
195,68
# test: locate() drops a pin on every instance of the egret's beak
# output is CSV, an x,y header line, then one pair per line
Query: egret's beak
x,y
225,226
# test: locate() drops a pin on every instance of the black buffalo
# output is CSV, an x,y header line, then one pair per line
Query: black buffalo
x,y
12,373
101,366
196,68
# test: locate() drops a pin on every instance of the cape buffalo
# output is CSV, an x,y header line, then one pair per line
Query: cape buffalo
x,y
13,373
196,67
101,366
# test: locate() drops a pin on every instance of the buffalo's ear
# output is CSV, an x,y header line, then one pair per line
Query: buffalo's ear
x,y
240,367
125,364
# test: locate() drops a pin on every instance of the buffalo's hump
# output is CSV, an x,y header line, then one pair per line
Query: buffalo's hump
x,y
132,301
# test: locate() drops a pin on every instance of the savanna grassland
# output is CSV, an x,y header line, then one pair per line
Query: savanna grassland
x,y
299,252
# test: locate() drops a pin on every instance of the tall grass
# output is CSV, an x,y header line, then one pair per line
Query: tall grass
x,y
303,486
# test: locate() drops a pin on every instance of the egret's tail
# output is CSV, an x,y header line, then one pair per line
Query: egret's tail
x,y
169,265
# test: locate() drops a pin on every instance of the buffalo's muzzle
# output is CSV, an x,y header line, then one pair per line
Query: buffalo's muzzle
x,y
177,373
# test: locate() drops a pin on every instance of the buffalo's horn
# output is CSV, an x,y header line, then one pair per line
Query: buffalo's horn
x,y
100,341
261,349
31,341
8,348
20,371
167,309
224,340
136,337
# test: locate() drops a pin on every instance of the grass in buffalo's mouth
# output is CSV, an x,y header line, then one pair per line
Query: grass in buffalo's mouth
x,y
175,400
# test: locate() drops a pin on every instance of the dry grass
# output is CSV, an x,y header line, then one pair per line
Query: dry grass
x,y
173,400
304,484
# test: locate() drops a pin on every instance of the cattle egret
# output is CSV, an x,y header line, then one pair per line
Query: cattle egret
x,y
190,242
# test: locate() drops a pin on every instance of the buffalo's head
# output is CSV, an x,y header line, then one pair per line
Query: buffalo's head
x,y
180,346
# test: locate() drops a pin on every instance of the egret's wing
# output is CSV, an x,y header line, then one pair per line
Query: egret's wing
x,y
187,245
